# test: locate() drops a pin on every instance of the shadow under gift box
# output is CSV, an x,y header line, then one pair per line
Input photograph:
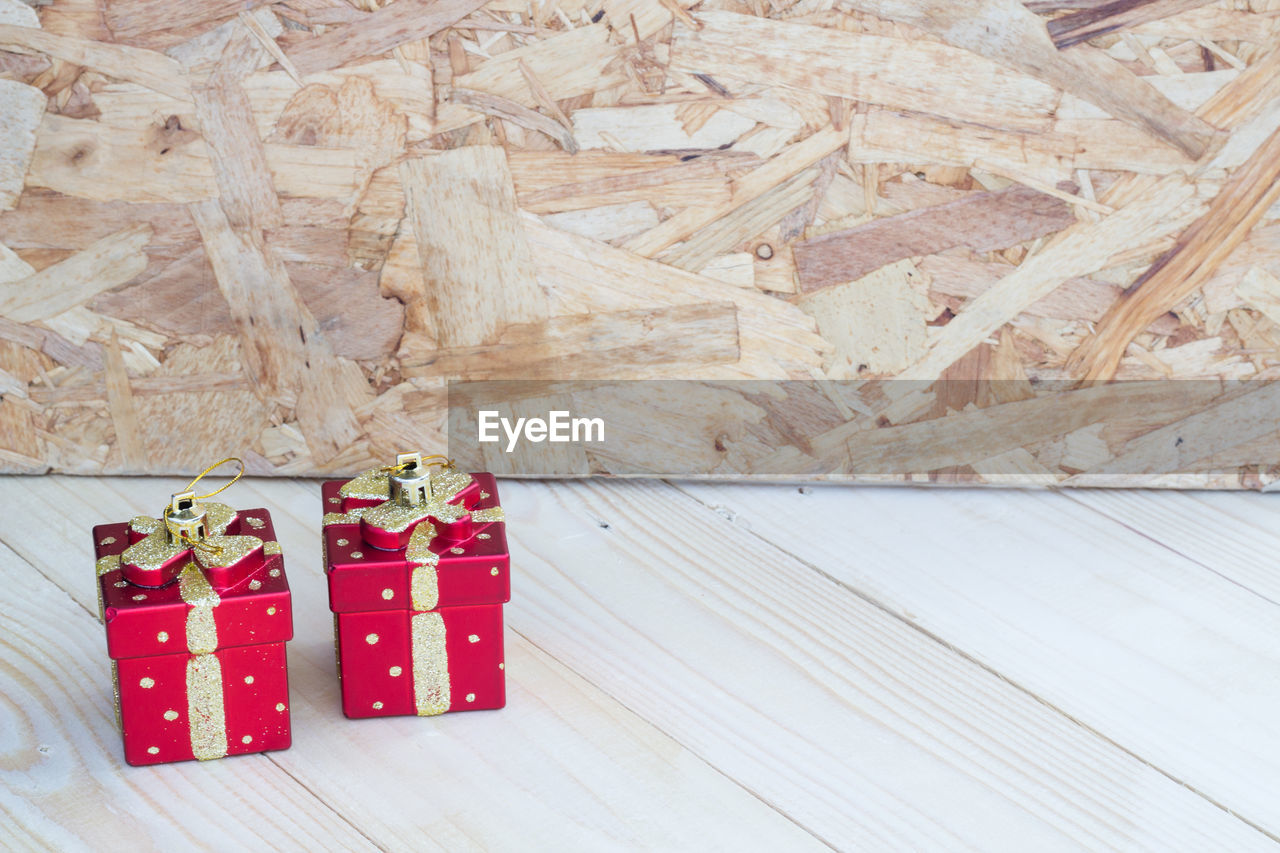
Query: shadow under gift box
x,y
198,662
413,637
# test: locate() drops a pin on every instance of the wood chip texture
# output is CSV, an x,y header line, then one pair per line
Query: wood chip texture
x,y
279,229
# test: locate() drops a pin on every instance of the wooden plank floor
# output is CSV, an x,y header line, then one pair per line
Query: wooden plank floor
x,y
696,667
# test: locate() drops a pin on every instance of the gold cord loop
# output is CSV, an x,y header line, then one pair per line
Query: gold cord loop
x,y
200,476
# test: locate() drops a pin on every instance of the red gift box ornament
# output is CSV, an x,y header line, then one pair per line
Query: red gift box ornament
x,y
418,572
197,612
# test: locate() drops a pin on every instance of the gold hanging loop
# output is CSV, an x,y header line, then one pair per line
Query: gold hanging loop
x,y
191,486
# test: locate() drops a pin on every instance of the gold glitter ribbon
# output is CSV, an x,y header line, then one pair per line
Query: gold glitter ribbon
x,y
424,583
109,563
486,516
106,564
201,598
226,550
430,664
206,714
115,690
371,485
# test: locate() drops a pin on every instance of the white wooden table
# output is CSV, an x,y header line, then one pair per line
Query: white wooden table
x,y
696,667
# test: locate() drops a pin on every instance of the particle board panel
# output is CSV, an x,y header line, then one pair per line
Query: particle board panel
x,y
445,172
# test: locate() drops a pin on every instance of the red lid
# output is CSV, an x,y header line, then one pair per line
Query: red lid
x,y
207,600
454,554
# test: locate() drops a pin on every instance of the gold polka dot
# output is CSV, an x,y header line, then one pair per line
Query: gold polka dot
x,y
140,597
474,638
335,500
388,594
483,536
171,715
163,636
271,611
121,584
147,683
247,739
248,679
355,555
484,495
107,540
395,671
255,585
377,706
494,571
275,573
342,543
371,638
279,706
255,523
153,750
471,697
502,666
455,550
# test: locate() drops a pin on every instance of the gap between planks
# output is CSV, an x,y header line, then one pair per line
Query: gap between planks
x,y
1101,499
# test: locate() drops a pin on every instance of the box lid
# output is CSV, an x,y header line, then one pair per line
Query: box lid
x,y
454,555
196,608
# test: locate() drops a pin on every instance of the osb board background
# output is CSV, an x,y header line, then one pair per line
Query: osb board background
x,y
275,229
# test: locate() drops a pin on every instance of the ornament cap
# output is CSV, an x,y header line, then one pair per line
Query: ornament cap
x,y
184,519
410,480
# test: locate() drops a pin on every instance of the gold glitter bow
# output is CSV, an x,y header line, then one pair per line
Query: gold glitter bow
x,y
375,484
163,542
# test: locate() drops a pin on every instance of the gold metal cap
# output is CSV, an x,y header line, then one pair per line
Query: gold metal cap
x,y
411,480
184,519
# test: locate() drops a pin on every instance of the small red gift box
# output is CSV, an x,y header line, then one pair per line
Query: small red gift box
x,y
197,612
418,572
